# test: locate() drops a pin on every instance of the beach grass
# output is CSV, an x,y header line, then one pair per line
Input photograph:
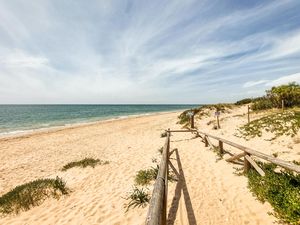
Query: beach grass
x,y
139,197
26,196
144,177
84,163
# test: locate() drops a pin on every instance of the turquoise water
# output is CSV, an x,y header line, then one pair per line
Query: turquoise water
x,y
19,118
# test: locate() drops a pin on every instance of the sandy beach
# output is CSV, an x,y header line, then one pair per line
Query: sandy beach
x,y
210,194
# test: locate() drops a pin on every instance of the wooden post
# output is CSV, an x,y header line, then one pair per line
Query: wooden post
x,y
248,114
247,164
221,149
218,122
206,141
192,121
282,104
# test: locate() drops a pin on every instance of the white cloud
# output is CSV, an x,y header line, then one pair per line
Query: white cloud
x,y
19,58
141,51
254,83
285,80
284,46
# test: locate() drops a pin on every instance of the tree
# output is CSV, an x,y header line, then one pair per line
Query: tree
x,y
290,93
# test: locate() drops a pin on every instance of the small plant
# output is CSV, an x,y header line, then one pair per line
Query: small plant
x,y
281,190
164,134
216,149
31,194
239,171
296,162
139,197
144,177
154,160
84,163
161,150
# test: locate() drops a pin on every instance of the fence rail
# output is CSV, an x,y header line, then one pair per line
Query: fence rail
x,y
157,213
249,151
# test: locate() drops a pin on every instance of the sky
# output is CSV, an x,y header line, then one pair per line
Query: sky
x,y
153,52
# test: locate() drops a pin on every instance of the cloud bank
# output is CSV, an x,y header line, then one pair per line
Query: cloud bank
x,y
146,51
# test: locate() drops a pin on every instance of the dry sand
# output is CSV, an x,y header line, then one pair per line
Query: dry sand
x,y
208,193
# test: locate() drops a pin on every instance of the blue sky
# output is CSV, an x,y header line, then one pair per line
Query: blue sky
x,y
187,51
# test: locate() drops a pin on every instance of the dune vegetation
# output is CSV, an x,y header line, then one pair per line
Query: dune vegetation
x,y
280,189
34,193
288,94
138,197
282,123
84,163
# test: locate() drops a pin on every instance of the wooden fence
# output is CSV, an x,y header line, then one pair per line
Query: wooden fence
x,y
247,153
157,213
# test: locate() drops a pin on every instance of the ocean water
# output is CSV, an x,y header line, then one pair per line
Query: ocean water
x,y
21,118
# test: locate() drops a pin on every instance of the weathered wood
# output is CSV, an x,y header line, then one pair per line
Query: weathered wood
x,y
248,113
218,122
174,169
172,152
165,200
279,162
192,122
236,157
209,142
156,214
247,164
254,164
221,148
198,135
206,141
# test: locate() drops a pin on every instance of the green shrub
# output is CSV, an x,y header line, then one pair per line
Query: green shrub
x,y
261,104
286,123
31,194
244,101
199,112
185,119
137,198
290,93
281,190
84,163
144,177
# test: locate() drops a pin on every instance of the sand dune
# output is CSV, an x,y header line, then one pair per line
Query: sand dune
x,y
207,193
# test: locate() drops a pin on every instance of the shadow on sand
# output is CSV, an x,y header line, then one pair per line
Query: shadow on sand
x,y
181,187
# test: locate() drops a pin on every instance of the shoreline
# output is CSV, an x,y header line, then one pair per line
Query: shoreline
x,y
47,130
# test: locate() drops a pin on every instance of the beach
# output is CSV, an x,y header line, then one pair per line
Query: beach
x,y
211,192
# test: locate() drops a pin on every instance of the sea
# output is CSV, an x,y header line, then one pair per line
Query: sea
x,y
23,118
